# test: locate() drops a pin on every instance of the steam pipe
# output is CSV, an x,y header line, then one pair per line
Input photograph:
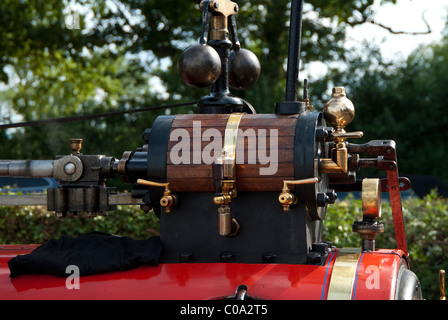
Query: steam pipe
x,y
295,35
27,168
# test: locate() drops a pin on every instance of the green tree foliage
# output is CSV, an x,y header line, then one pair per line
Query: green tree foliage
x,y
111,57
402,100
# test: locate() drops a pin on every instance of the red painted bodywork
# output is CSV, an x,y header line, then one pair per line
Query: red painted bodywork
x,y
202,281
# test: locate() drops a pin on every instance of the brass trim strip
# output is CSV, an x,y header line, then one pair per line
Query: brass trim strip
x,y
230,140
343,274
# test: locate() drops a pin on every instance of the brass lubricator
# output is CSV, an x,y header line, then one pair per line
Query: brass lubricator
x,y
371,224
339,112
76,145
224,173
287,198
168,200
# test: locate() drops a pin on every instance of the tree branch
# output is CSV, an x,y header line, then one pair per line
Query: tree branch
x,y
372,21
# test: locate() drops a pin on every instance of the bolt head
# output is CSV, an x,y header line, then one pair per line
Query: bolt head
x,y
69,168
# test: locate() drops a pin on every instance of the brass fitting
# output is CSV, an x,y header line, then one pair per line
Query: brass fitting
x,y
76,145
227,226
286,197
339,112
223,199
168,200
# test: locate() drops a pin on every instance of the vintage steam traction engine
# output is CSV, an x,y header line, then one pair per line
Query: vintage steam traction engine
x,y
240,214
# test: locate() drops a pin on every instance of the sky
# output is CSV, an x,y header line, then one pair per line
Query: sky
x,y
405,15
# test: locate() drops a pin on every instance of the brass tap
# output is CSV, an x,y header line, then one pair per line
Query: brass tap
x,y
168,200
286,197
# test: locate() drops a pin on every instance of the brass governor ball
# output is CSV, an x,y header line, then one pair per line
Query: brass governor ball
x,y
244,69
339,111
199,66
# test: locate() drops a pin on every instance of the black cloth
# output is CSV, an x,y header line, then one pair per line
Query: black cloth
x,y
92,253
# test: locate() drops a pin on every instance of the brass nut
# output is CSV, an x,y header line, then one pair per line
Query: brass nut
x,y
223,199
286,198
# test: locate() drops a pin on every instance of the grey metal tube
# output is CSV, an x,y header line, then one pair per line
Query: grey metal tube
x,y
26,168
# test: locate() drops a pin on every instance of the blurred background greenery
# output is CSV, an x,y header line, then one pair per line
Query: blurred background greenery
x,y
71,57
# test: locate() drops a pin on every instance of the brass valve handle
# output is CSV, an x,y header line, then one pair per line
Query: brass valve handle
x,y
298,182
154,184
342,135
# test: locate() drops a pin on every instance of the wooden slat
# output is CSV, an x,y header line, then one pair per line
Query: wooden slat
x,y
192,185
262,184
243,184
202,171
202,131
282,143
268,122
283,156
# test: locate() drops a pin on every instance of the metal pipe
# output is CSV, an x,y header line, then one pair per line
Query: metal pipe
x,y
27,168
295,35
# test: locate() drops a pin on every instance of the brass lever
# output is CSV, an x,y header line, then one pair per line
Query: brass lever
x,y
168,200
287,198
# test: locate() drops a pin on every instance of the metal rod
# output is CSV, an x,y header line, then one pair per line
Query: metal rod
x,y
41,200
295,36
26,168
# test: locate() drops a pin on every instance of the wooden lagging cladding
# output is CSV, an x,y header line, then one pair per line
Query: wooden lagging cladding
x,y
194,177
